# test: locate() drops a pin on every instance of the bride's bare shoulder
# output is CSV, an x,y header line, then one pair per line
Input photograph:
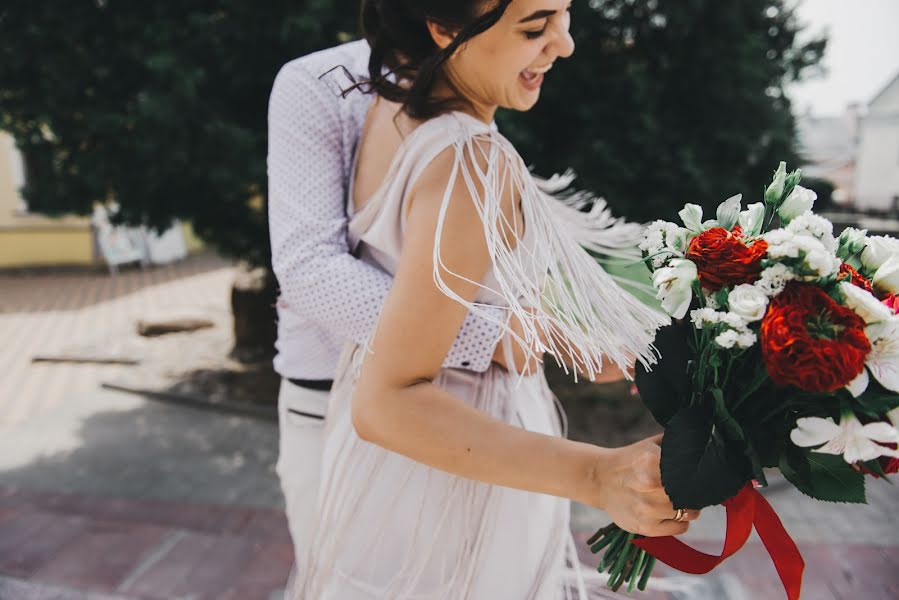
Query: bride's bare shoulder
x,y
475,163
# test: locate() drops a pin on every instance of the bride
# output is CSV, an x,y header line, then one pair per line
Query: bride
x,y
442,483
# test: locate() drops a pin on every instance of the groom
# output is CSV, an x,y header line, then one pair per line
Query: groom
x,y
327,296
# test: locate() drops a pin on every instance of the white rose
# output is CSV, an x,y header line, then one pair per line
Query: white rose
x,y
799,201
748,301
675,286
878,248
886,278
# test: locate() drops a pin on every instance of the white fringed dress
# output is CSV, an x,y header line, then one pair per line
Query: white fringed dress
x,y
392,528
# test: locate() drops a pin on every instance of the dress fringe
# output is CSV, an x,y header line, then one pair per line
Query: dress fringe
x,y
585,313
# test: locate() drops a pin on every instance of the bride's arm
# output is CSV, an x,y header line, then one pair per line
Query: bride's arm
x,y
396,405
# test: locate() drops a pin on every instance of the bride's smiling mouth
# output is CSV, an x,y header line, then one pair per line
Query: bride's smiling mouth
x,y
533,78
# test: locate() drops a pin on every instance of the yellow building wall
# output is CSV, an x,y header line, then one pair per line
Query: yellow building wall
x,y
44,247
28,239
193,243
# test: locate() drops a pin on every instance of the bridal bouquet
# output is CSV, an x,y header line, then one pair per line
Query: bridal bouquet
x,y
784,353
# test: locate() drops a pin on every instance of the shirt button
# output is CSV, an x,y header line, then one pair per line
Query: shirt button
x,y
466,363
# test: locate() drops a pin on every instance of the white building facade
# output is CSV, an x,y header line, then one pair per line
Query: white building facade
x,y
877,163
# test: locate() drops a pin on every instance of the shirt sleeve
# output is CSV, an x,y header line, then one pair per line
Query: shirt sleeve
x,y
318,276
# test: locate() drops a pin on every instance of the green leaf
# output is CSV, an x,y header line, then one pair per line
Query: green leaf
x,y
823,476
724,418
878,404
761,375
875,466
699,467
666,388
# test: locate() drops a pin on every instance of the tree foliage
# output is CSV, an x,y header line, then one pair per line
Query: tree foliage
x,y
664,103
162,105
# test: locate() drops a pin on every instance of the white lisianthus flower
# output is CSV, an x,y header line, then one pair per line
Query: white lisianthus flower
x,y
878,248
751,219
748,301
776,189
852,240
854,441
886,278
675,286
691,215
883,360
729,212
800,201
864,303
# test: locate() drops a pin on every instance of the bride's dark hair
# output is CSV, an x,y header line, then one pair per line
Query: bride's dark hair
x,y
400,40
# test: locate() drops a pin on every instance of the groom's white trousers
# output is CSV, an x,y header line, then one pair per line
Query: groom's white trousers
x,y
301,439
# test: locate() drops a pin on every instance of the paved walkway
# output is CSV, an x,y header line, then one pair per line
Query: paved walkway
x,y
105,495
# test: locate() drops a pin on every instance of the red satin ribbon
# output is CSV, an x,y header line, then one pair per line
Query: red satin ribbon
x,y
744,510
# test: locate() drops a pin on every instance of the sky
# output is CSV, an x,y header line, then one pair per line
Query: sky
x,y
861,57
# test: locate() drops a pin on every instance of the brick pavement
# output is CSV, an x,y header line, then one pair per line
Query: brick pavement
x,y
106,496
78,546
70,311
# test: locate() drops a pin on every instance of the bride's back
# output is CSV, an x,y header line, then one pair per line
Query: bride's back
x,y
383,131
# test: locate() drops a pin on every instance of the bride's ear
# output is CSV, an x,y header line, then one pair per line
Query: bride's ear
x,y
441,35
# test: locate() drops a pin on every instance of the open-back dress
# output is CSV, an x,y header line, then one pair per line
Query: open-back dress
x,y
389,527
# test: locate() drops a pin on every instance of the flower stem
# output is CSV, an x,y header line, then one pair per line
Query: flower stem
x,y
600,532
612,552
605,541
647,569
635,571
624,553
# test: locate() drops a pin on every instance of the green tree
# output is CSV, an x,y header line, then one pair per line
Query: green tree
x,y
664,103
162,105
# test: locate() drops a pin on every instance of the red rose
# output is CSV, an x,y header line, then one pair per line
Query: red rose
x,y
811,342
892,302
855,278
722,259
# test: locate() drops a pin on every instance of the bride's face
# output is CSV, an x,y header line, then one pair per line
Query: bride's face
x,y
504,65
